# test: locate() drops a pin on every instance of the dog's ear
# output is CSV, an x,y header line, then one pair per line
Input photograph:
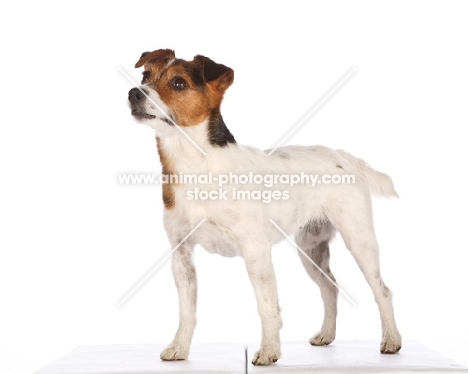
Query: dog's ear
x,y
158,56
217,74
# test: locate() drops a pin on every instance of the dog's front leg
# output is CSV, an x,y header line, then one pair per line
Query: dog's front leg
x,y
185,277
261,274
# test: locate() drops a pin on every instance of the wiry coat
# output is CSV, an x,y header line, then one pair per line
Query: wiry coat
x,y
186,95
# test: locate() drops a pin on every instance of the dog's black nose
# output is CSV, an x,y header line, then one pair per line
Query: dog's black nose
x,y
135,95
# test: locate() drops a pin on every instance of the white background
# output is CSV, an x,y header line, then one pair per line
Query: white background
x,y
74,242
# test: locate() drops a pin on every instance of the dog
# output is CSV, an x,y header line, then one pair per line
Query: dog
x,y
181,100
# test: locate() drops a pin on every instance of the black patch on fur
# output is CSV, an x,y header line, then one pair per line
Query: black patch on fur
x,y
193,71
146,75
218,133
167,121
212,70
339,166
144,54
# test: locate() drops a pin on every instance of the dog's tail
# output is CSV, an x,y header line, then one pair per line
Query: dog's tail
x,y
379,184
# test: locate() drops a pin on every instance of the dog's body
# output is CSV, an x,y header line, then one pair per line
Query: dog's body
x,y
190,93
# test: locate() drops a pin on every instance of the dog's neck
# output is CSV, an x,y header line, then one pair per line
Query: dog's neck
x,y
218,133
188,149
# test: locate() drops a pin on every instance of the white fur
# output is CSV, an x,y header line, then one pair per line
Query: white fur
x,y
242,228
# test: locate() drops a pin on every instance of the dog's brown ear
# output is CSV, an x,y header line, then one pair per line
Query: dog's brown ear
x,y
158,56
215,73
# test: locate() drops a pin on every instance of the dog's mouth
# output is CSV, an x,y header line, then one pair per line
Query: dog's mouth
x,y
138,114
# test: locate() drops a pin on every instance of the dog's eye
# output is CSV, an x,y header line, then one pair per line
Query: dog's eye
x,y
146,75
179,84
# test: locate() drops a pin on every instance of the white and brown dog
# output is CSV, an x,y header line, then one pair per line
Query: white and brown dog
x,y
190,94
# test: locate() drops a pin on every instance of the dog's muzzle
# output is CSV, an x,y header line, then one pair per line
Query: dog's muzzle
x,y
137,102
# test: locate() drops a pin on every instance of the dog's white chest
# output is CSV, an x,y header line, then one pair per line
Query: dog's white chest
x,y
217,233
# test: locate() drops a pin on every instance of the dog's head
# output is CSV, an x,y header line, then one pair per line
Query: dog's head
x,y
175,91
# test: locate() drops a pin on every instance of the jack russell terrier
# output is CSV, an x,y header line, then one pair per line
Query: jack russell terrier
x,y
181,100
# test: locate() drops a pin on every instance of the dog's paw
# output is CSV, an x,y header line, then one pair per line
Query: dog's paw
x,y
174,352
391,344
266,356
322,338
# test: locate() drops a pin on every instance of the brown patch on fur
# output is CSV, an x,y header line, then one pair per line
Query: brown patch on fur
x,y
168,195
154,62
206,81
160,56
189,106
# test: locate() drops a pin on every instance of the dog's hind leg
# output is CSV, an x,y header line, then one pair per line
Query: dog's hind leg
x,y
183,270
313,240
352,217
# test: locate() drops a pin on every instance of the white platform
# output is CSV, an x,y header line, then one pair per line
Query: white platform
x,y
355,357
298,357
144,359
